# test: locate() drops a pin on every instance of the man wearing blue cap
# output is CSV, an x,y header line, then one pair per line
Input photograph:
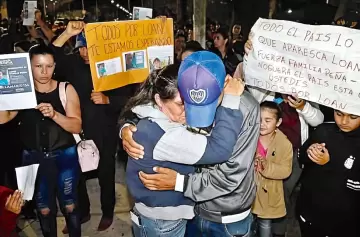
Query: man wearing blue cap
x,y
224,192
99,111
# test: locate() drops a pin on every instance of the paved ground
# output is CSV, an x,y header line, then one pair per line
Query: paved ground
x,y
122,224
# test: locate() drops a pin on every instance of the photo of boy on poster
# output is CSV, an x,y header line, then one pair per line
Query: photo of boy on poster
x,y
101,70
135,60
4,81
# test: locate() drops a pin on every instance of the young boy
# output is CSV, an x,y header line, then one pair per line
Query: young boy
x,y
329,204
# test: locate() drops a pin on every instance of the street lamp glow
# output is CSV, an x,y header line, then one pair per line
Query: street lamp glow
x,y
118,5
112,1
289,11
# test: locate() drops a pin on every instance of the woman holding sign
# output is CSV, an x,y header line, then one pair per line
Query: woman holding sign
x,y
46,133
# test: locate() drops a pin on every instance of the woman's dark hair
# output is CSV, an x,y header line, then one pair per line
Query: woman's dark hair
x,y
41,49
162,81
225,34
180,35
193,46
272,106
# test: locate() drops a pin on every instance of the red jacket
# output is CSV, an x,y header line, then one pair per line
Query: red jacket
x,y
7,219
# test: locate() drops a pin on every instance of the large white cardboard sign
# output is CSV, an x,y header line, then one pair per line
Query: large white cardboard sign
x,y
318,63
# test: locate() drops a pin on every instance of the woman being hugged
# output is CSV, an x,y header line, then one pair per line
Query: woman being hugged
x,y
46,133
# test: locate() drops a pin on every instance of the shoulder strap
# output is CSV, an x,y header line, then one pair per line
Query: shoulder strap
x,y
62,94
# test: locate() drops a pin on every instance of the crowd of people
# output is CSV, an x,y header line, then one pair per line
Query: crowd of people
x,y
206,154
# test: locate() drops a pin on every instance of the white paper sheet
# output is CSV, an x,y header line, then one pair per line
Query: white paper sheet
x,y
160,56
26,177
141,13
16,82
29,9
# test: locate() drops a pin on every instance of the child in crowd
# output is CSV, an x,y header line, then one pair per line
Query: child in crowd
x,y
273,164
10,206
328,203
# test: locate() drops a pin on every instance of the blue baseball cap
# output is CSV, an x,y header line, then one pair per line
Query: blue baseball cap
x,y
201,79
80,41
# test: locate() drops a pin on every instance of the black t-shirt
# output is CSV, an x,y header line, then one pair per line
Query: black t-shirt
x,y
41,133
330,193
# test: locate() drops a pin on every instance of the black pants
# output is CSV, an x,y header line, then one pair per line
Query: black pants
x,y
340,229
106,174
308,230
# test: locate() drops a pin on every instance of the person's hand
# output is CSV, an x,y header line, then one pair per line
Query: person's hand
x,y
14,202
132,148
248,46
234,86
38,16
46,109
296,102
99,98
318,154
165,179
259,166
163,18
74,28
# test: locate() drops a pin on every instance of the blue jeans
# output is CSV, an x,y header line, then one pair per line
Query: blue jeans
x,y
58,177
200,227
159,228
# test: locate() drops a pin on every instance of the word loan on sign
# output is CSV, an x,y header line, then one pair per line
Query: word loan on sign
x,y
118,51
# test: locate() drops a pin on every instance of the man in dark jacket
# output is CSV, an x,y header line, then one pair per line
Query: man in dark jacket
x,y
100,111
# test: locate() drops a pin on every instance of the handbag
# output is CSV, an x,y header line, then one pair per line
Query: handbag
x,y
88,153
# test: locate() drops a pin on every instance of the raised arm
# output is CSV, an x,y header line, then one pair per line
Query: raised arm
x,y
73,28
312,114
49,34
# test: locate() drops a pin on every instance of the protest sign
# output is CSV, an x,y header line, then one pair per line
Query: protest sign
x,y
16,82
318,63
29,9
141,13
118,50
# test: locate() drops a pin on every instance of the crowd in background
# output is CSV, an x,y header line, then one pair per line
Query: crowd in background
x,y
282,137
